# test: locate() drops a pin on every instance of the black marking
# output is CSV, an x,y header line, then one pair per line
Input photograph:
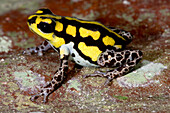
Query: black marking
x,y
119,69
113,61
59,78
73,55
127,54
118,57
32,20
47,90
45,11
53,82
45,43
123,61
137,61
49,85
140,53
42,47
122,52
131,63
126,70
55,77
37,48
134,56
65,63
105,57
117,64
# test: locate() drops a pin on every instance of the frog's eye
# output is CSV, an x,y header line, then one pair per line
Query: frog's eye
x,y
46,27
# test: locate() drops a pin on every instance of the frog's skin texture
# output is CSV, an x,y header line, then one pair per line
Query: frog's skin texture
x,y
89,43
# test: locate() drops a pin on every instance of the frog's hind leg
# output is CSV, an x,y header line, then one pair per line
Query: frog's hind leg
x,y
44,46
124,61
125,34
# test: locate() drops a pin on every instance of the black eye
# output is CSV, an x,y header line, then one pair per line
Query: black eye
x,y
46,27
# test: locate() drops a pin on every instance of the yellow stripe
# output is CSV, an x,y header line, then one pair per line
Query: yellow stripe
x,y
91,51
108,41
71,30
59,26
38,20
85,33
39,12
31,17
118,46
49,21
97,23
47,15
57,41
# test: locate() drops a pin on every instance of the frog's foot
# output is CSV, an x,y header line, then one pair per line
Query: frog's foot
x,y
39,49
110,75
34,97
95,74
100,74
31,50
44,92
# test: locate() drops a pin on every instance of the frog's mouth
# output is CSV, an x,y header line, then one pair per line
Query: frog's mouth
x,y
31,30
38,34
34,32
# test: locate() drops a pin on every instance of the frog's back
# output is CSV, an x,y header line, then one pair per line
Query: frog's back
x,y
92,33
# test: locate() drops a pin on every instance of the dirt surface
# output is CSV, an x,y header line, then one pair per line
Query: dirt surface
x,y
146,89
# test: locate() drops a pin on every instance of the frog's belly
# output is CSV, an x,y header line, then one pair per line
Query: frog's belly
x,y
77,58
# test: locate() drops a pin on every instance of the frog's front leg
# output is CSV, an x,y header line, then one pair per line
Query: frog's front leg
x,y
57,78
124,61
39,49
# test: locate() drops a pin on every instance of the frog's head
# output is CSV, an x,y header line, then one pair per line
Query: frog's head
x,y
42,23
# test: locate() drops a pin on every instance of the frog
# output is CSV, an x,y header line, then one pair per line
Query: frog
x,y
88,43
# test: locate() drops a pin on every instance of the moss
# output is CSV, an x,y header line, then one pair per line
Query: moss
x,y
26,6
74,84
120,97
5,44
13,86
165,12
142,76
28,79
18,36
